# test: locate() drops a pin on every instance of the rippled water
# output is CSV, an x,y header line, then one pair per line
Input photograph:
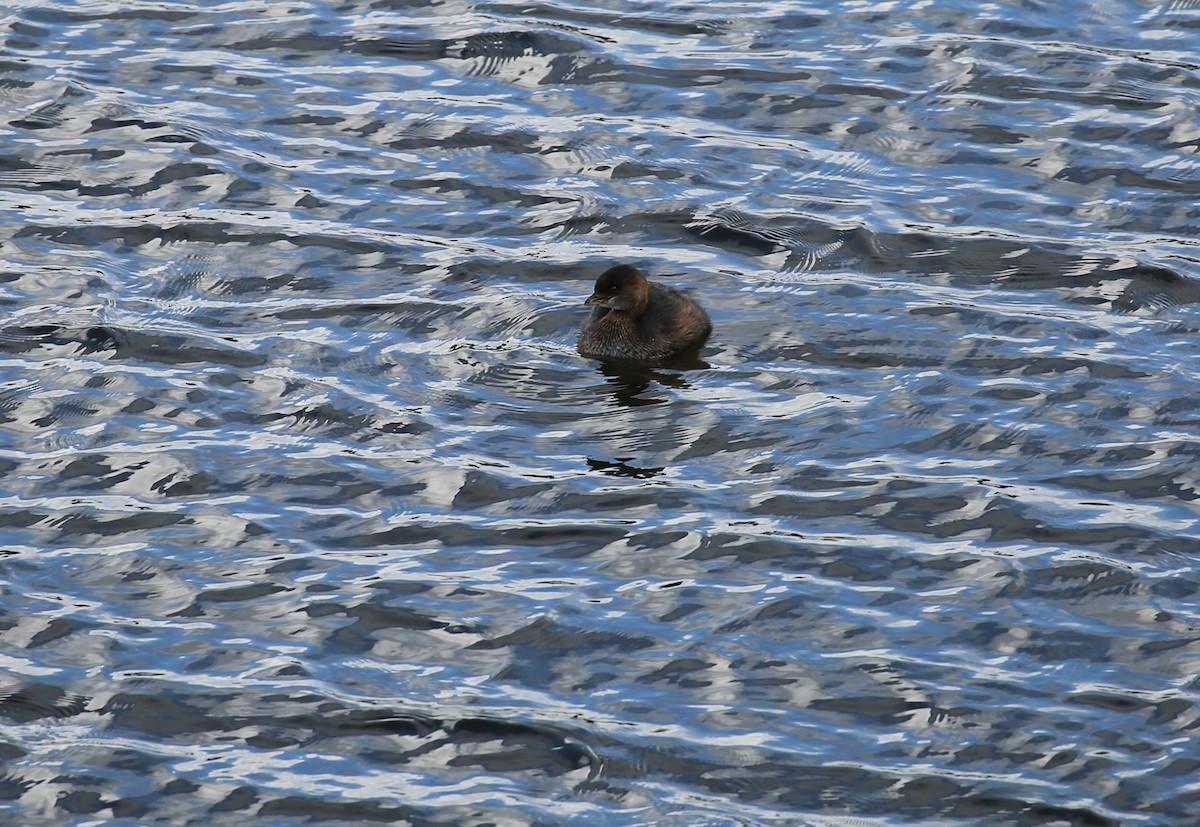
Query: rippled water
x,y
312,514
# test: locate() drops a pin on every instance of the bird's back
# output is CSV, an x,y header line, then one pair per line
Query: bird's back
x,y
674,317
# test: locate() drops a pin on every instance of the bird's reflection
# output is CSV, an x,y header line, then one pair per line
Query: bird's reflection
x,y
629,382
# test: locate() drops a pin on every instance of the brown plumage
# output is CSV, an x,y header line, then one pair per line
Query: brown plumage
x,y
636,320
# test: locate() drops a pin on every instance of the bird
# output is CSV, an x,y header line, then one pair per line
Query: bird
x,y
637,320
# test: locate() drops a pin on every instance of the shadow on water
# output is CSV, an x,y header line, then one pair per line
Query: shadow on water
x,y
621,468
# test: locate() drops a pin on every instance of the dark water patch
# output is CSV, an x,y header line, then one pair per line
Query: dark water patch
x,y
35,702
996,262
126,237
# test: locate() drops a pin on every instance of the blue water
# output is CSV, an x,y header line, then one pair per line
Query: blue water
x,y
310,513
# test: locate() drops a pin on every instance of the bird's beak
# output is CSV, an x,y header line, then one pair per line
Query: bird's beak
x,y
596,298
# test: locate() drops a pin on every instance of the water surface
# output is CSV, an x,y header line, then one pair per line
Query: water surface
x,y
311,514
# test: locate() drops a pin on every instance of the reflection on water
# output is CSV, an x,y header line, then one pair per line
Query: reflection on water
x,y
312,513
632,385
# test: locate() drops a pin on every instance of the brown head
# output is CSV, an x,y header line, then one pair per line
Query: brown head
x,y
621,288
